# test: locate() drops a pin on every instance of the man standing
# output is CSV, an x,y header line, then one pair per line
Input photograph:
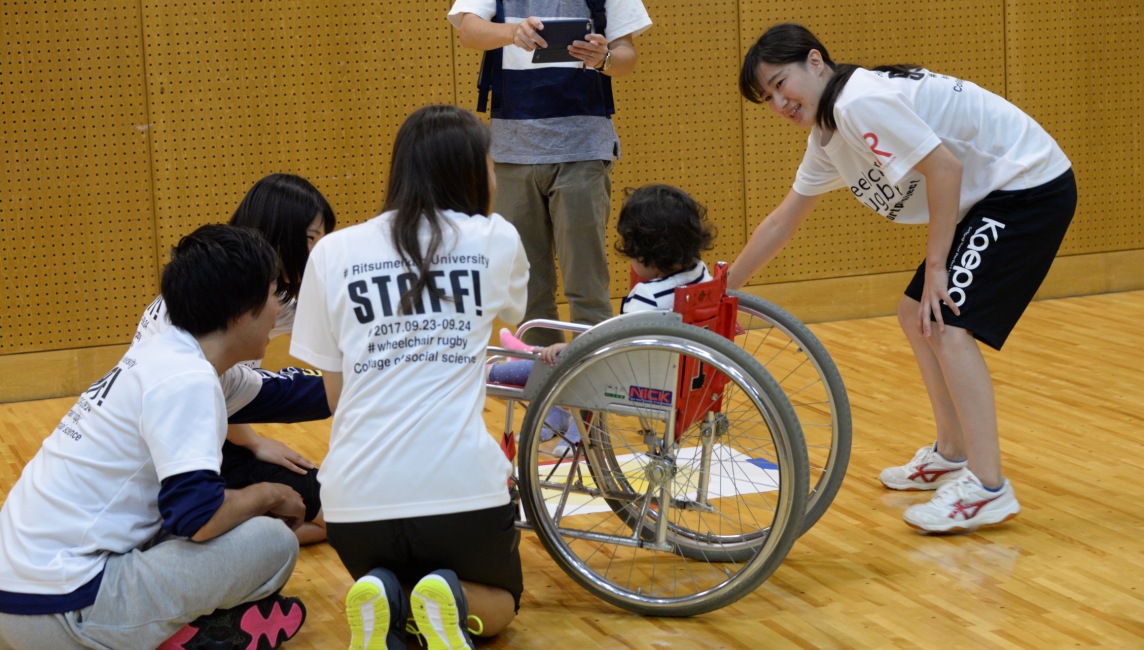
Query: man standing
x,y
120,530
553,140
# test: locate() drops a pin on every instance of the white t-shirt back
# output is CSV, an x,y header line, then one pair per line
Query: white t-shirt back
x,y
93,487
887,124
408,437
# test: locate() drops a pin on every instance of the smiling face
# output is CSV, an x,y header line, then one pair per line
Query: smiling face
x,y
793,90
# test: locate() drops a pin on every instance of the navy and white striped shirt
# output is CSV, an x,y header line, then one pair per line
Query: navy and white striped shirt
x,y
659,294
549,113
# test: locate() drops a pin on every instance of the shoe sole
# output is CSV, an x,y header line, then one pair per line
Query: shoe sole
x,y
438,619
361,613
257,628
270,630
956,530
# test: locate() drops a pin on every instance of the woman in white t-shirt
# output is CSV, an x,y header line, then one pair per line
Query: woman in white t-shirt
x,y
292,215
997,194
397,312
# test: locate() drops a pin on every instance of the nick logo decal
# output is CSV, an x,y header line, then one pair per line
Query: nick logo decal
x,y
656,396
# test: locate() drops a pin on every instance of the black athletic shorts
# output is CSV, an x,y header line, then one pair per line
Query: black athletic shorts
x,y
240,468
1001,252
481,546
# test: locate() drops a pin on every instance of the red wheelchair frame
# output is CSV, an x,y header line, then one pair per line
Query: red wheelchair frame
x,y
706,305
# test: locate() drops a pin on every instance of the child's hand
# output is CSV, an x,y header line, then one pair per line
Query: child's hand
x,y
548,355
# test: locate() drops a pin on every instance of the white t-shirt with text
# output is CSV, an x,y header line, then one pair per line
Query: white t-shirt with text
x,y
93,487
408,437
888,123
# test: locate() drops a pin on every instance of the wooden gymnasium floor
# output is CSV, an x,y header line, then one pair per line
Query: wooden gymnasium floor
x,y
1068,572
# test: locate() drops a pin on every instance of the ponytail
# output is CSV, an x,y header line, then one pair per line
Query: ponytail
x,y
834,86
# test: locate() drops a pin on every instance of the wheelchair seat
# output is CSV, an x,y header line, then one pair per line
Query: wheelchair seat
x,y
706,305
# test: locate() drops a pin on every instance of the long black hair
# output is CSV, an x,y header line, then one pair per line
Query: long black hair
x,y
791,43
439,163
282,207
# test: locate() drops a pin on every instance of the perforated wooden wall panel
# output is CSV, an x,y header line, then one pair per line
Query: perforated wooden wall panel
x,y
124,126
77,248
1075,67
242,89
841,237
678,119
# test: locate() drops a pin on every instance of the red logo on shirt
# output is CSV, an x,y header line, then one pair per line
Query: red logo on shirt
x,y
872,140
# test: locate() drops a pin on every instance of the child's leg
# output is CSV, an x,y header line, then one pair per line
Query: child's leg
x,y
558,423
510,373
509,341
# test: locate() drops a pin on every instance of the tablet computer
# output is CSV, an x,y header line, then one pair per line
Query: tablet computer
x,y
559,34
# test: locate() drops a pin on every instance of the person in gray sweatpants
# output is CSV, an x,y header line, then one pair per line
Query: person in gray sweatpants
x,y
120,532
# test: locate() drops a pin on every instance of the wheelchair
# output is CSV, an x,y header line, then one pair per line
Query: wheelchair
x,y
688,481
798,361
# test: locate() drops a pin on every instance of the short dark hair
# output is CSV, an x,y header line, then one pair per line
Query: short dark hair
x,y
439,163
282,207
216,274
662,227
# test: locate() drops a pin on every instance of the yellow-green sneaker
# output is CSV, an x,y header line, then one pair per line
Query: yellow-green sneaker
x,y
441,611
376,610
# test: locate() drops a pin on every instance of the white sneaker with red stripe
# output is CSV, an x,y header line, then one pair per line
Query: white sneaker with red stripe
x,y
963,504
928,470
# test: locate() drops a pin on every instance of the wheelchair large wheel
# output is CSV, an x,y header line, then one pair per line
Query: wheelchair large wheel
x,y
654,520
808,376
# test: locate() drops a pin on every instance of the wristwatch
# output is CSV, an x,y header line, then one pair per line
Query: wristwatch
x,y
606,63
